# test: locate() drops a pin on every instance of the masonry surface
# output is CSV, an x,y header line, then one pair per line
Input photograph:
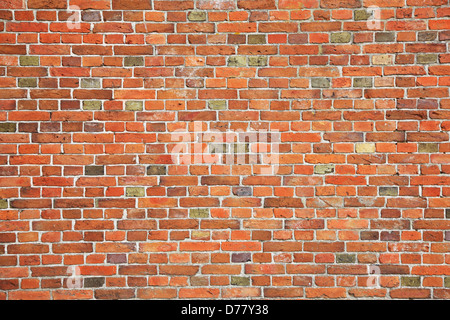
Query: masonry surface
x,y
95,203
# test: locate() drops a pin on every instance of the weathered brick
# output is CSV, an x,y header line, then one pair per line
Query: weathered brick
x,y
427,36
217,104
389,191
428,147
410,281
427,58
323,168
94,170
257,61
198,213
92,105
7,127
341,37
156,170
3,203
134,105
241,257
29,61
362,14
240,281
382,59
91,16
320,83
90,83
135,192
237,61
197,16
27,82
256,39
384,36
96,282
345,258
133,61
362,82
365,147
242,191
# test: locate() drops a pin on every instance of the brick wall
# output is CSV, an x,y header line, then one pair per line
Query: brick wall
x,y
224,149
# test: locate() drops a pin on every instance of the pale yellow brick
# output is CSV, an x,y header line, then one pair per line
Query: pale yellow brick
x,y
383,59
200,234
365,147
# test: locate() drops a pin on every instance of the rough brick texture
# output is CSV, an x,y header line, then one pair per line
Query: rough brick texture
x,y
98,202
